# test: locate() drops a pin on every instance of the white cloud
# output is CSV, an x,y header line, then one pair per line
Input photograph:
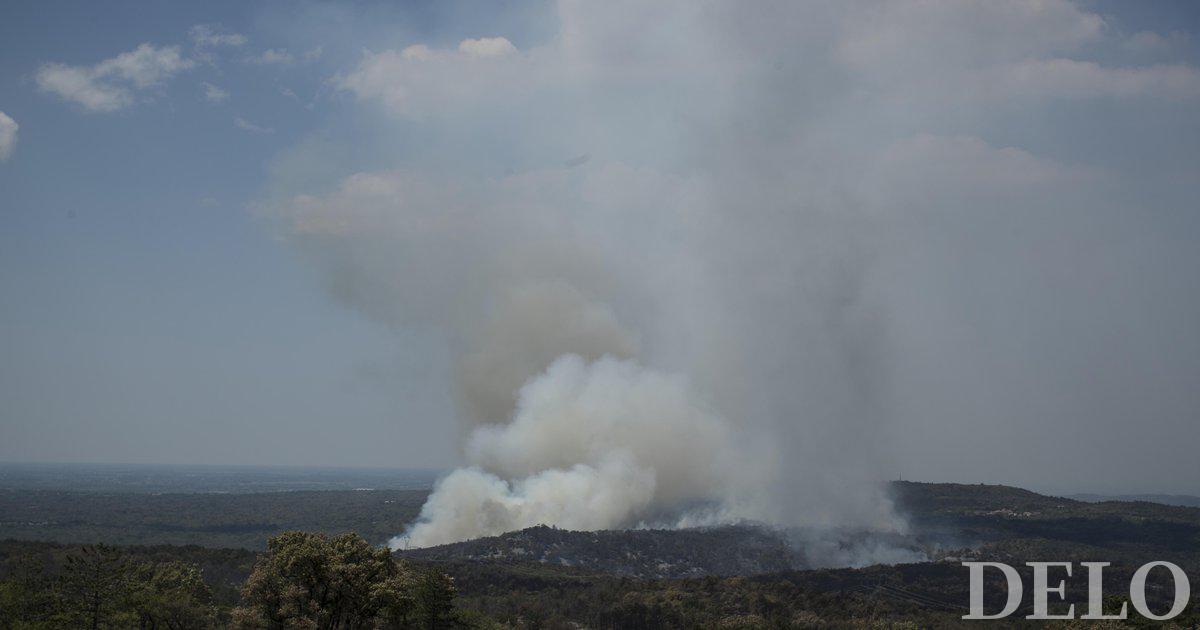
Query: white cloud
x,y
8,136
214,94
242,123
1033,81
999,52
416,52
81,86
1081,79
209,36
487,47
111,84
1151,44
273,56
283,57
145,65
930,57
902,35
419,79
378,75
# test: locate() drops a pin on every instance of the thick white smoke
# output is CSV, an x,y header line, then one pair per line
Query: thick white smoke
x,y
598,383
597,445
639,337
709,261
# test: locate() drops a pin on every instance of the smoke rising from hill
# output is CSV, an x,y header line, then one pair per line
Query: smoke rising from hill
x,y
789,262
600,373
597,445
563,420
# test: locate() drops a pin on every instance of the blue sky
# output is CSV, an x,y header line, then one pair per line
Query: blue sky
x,y
212,247
149,314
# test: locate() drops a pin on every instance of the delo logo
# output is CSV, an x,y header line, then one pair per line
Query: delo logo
x,y
1095,575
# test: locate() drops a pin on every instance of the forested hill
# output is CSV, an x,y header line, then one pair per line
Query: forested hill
x,y
550,578
988,513
1183,500
945,521
955,499
646,553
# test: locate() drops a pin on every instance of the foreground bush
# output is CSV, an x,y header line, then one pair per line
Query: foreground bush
x,y
311,580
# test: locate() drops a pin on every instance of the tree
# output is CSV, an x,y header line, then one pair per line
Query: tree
x,y
27,597
100,587
310,580
434,606
171,595
94,589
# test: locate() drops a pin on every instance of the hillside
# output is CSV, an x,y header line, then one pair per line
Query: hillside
x,y
632,553
742,576
924,500
1182,500
944,518
946,522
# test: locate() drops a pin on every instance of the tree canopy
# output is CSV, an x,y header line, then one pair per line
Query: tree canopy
x,y
100,587
312,580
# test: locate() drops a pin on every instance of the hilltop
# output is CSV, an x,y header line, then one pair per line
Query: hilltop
x,y
644,553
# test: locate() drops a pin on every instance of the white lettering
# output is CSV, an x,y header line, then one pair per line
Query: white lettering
x,y
1137,590
1041,588
1096,593
1014,589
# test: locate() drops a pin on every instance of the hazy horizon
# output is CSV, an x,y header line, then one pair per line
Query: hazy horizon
x,y
436,473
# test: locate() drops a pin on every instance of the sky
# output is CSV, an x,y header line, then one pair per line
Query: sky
x,y
953,241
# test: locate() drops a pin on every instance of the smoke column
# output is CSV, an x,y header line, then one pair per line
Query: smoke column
x,y
691,262
601,379
680,319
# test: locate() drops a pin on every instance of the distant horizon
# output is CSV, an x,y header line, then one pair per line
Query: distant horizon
x,y
17,462
1047,491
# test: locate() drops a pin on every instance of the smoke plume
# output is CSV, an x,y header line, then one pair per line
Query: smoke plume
x,y
701,262
594,445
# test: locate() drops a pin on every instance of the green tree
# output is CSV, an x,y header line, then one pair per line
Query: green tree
x,y
434,601
171,596
100,587
94,590
27,598
310,580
